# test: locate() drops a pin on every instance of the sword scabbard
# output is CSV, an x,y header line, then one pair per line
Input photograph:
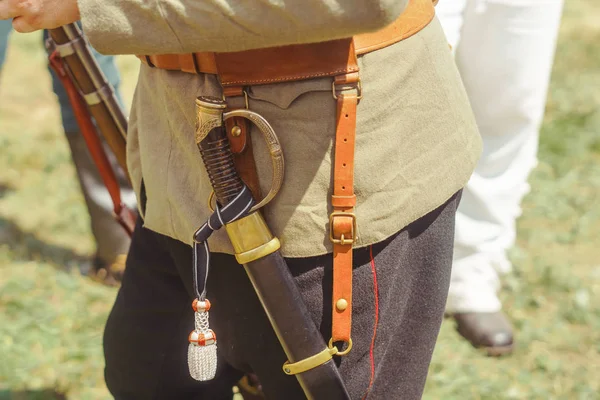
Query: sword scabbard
x,y
310,358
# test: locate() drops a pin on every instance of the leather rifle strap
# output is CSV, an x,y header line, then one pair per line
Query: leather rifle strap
x,y
342,219
238,133
124,216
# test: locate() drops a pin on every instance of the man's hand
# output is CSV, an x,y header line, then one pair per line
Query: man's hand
x,y
31,15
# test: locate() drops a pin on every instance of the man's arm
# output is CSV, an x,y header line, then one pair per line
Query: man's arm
x,y
179,26
32,15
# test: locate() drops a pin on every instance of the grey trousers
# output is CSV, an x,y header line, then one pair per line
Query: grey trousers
x,y
400,289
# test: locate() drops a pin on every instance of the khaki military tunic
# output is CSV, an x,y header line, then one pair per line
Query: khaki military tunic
x,y
416,139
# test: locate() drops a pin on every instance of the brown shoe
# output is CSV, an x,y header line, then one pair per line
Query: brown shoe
x,y
108,274
250,388
490,331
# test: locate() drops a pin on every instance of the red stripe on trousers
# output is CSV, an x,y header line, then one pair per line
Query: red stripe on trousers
x,y
376,295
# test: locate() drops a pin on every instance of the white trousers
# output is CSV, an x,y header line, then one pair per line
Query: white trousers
x,y
504,51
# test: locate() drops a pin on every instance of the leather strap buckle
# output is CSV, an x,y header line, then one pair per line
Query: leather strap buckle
x,y
341,238
335,88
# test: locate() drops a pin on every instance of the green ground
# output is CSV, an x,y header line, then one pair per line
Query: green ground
x,y
51,320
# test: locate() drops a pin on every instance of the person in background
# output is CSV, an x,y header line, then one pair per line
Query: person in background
x,y
504,51
112,243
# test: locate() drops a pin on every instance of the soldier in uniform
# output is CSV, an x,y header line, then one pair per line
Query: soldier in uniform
x,y
416,146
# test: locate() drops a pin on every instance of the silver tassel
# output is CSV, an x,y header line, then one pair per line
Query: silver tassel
x,y
202,350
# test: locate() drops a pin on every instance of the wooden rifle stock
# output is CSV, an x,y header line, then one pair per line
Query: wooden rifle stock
x,y
90,93
71,45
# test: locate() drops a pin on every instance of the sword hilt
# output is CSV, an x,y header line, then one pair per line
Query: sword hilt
x,y
212,141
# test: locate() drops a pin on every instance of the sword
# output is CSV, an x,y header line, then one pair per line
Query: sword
x,y
310,359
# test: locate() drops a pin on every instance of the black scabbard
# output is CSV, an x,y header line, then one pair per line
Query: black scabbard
x,y
272,281
297,332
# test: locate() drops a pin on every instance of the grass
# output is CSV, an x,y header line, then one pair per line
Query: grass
x,y
52,317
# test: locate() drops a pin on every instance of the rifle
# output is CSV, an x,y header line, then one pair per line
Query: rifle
x,y
91,95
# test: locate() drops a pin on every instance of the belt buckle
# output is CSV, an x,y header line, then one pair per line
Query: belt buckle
x,y
342,239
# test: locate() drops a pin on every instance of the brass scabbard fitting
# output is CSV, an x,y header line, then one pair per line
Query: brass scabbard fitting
x,y
251,238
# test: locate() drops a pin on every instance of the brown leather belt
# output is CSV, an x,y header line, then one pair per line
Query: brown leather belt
x,y
337,59
296,62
